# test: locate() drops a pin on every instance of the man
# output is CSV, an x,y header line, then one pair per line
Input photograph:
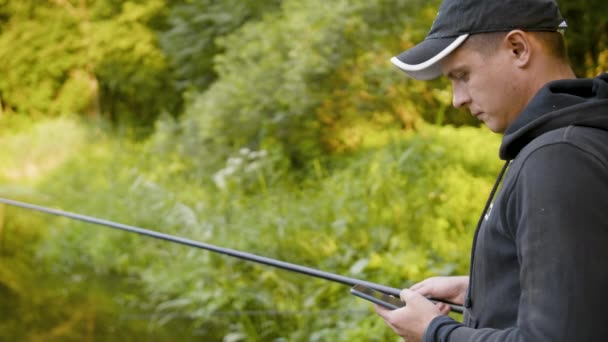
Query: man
x,y
539,260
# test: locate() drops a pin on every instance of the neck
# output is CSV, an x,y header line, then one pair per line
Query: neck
x,y
550,71
545,72
537,76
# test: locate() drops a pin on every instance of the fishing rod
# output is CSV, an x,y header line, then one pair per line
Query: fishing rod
x,y
230,252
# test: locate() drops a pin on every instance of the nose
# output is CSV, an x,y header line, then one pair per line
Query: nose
x,y
460,97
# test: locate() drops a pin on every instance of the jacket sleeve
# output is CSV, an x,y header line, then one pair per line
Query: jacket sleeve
x,y
558,211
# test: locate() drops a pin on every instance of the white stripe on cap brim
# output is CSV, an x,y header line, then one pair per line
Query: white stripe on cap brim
x,y
429,69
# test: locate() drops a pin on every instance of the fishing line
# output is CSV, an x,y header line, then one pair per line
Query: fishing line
x,y
230,252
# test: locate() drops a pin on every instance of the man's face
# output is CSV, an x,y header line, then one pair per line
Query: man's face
x,y
486,85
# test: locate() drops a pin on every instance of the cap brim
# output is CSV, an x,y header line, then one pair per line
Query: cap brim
x,y
422,61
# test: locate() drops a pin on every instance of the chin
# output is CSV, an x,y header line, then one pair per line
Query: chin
x,y
495,128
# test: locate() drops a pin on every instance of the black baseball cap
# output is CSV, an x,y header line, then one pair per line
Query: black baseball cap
x,y
458,19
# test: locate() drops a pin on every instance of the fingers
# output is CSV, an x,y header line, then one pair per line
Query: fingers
x,y
422,284
386,315
409,296
381,310
417,286
410,321
448,288
443,308
424,288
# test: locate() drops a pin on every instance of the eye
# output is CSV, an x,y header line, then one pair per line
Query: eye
x,y
462,76
459,75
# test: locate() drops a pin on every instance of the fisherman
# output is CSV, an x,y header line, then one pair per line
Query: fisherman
x,y
539,259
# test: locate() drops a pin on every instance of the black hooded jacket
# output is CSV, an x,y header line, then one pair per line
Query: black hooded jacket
x,y
539,267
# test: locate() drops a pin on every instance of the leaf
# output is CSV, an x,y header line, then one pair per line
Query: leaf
x,y
358,266
234,337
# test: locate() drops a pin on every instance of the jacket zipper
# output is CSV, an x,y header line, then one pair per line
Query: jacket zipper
x,y
468,302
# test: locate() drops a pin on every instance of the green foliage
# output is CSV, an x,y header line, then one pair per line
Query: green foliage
x,y
35,63
28,153
392,213
98,57
135,80
191,42
40,303
270,81
586,35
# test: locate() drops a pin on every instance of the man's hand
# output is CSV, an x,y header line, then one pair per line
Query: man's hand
x,y
411,321
451,289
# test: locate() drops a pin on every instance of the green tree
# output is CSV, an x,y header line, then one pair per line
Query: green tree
x,y
88,57
586,35
191,41
274,73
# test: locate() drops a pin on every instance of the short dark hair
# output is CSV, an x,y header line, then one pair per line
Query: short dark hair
x,y
487,43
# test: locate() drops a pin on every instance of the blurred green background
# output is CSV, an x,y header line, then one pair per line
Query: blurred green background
x,y
274,127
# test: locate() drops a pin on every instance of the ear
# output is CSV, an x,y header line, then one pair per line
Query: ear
x,y
520,47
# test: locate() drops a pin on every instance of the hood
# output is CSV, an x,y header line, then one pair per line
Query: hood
x,y
580,102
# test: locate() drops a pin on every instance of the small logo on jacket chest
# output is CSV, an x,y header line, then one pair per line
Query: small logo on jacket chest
x,y
487,216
